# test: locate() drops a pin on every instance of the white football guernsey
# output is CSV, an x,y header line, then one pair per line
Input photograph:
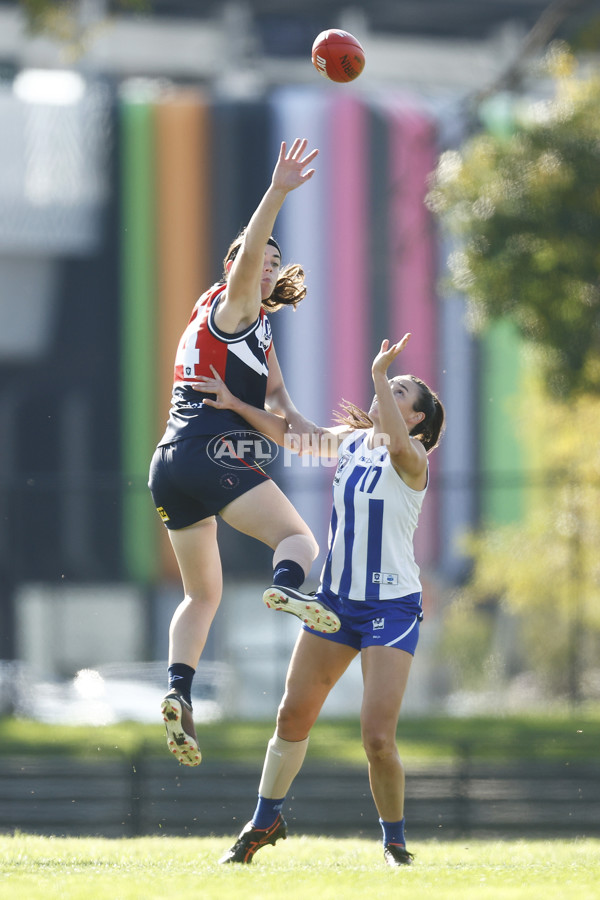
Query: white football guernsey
x,y
373,520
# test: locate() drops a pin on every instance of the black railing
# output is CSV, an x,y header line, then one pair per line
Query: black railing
x,y
150,796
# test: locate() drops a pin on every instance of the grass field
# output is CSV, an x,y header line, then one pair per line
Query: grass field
x,y
559,737
155,868
41,868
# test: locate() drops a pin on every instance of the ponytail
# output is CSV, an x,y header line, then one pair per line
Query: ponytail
x,y
430,430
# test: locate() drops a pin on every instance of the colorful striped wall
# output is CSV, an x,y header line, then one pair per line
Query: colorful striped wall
x,y
194,167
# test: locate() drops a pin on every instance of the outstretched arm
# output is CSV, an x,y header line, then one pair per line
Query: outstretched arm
x,y
407,454
279,401
269,423
243,295
324,442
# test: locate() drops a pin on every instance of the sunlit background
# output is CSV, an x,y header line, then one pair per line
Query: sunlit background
x,y
136,140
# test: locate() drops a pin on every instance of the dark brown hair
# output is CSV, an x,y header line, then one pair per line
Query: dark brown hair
x,y
289,288
428,431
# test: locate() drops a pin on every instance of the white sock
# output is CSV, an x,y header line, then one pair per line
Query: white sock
x,y
283,761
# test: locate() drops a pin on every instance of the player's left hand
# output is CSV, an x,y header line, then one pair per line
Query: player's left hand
x,y
388,354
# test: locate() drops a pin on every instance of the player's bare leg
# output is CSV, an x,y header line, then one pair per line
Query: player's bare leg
x,y
266,514
314,668
385,675
197,554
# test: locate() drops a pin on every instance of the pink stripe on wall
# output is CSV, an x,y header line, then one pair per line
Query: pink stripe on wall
x,y
413,272
412,251
349,365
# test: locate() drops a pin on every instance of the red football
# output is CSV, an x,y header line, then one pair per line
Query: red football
x,y
338,55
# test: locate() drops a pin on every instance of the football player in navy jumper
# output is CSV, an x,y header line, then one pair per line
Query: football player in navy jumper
x,y
370,579
229,333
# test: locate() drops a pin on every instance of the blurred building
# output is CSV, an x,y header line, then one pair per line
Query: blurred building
x,y
131,154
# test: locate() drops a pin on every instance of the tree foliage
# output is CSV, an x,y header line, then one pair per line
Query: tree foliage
x,y
546,569
63,19
526,207
524,204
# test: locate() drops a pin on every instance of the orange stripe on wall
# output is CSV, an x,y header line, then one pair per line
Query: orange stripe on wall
x,y
183,201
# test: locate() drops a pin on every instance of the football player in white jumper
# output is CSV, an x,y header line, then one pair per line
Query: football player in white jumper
x,y
370,579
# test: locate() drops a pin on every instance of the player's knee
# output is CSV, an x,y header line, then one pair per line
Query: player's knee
x,y
378,745
301,547
309,544
293,722
200,602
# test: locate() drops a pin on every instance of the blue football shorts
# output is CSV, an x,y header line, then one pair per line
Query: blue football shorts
x,y
187,485
374,623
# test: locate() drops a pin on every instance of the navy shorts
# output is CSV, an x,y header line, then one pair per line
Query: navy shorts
x,y
374,623
188,486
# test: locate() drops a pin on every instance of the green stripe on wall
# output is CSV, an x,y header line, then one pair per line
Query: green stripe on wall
x,y
138,334
501,450
502,454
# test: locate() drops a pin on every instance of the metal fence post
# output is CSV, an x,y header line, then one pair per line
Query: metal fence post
x,y
461,789
136,793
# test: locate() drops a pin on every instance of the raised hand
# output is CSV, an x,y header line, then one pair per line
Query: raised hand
x,y
288,173
387,355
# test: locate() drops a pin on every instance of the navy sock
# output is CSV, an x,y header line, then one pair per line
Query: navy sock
x,y
180,678
266,811
393,832
288,574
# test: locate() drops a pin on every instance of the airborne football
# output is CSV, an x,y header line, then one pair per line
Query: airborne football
x,y
338,55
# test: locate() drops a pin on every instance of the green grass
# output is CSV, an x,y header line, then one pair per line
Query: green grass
x,y
421,740
38,868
